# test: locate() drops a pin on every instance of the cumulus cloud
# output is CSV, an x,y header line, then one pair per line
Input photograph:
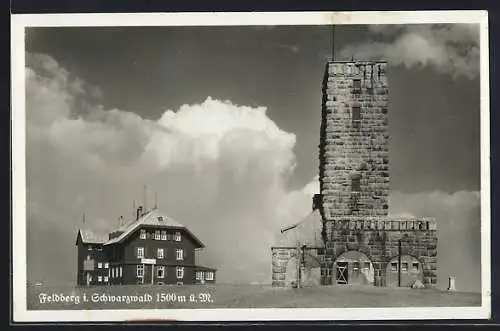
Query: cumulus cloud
x,y
447,48
218,167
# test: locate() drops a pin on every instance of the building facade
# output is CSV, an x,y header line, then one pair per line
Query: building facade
x,y
360,244
151,249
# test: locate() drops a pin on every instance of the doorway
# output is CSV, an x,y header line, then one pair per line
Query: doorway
x,y
342,273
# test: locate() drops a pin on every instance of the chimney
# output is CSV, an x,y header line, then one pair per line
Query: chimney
x,y
139,212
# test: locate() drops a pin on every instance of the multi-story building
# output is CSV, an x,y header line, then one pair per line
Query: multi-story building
x,y
153,248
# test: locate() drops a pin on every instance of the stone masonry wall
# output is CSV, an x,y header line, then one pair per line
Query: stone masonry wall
x,y
378,238
353,146
280,259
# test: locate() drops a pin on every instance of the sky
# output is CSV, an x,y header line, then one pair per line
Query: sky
x,y
223,123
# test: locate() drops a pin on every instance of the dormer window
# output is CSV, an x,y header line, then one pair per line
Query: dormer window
x,y
160,218
177,236
143,234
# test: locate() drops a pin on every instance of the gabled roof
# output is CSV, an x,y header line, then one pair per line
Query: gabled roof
x,y
92,237
152,218
306,232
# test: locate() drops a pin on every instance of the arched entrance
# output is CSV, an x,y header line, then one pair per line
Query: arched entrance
x,y
354,268
408,271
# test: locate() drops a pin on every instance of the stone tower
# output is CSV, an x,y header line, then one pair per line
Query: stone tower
x,y
361,243
354,158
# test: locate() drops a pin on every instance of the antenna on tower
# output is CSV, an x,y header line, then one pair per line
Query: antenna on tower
x,y
333,43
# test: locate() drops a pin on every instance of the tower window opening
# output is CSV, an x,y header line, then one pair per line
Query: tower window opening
x,y
356,184
356,116
356,87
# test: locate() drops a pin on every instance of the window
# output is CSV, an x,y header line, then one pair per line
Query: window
x,y
394,266
160,218
163,235
356,184
355,266
99,265
106,278
106,265
140,252
356,116
179,254
159,253
356,86
121,271
157,235
90,278
160,272
404,266
199,275
140,270
99,279
143,234
90,247
180,272
177,236
210,275
414,266
112,272
366,265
